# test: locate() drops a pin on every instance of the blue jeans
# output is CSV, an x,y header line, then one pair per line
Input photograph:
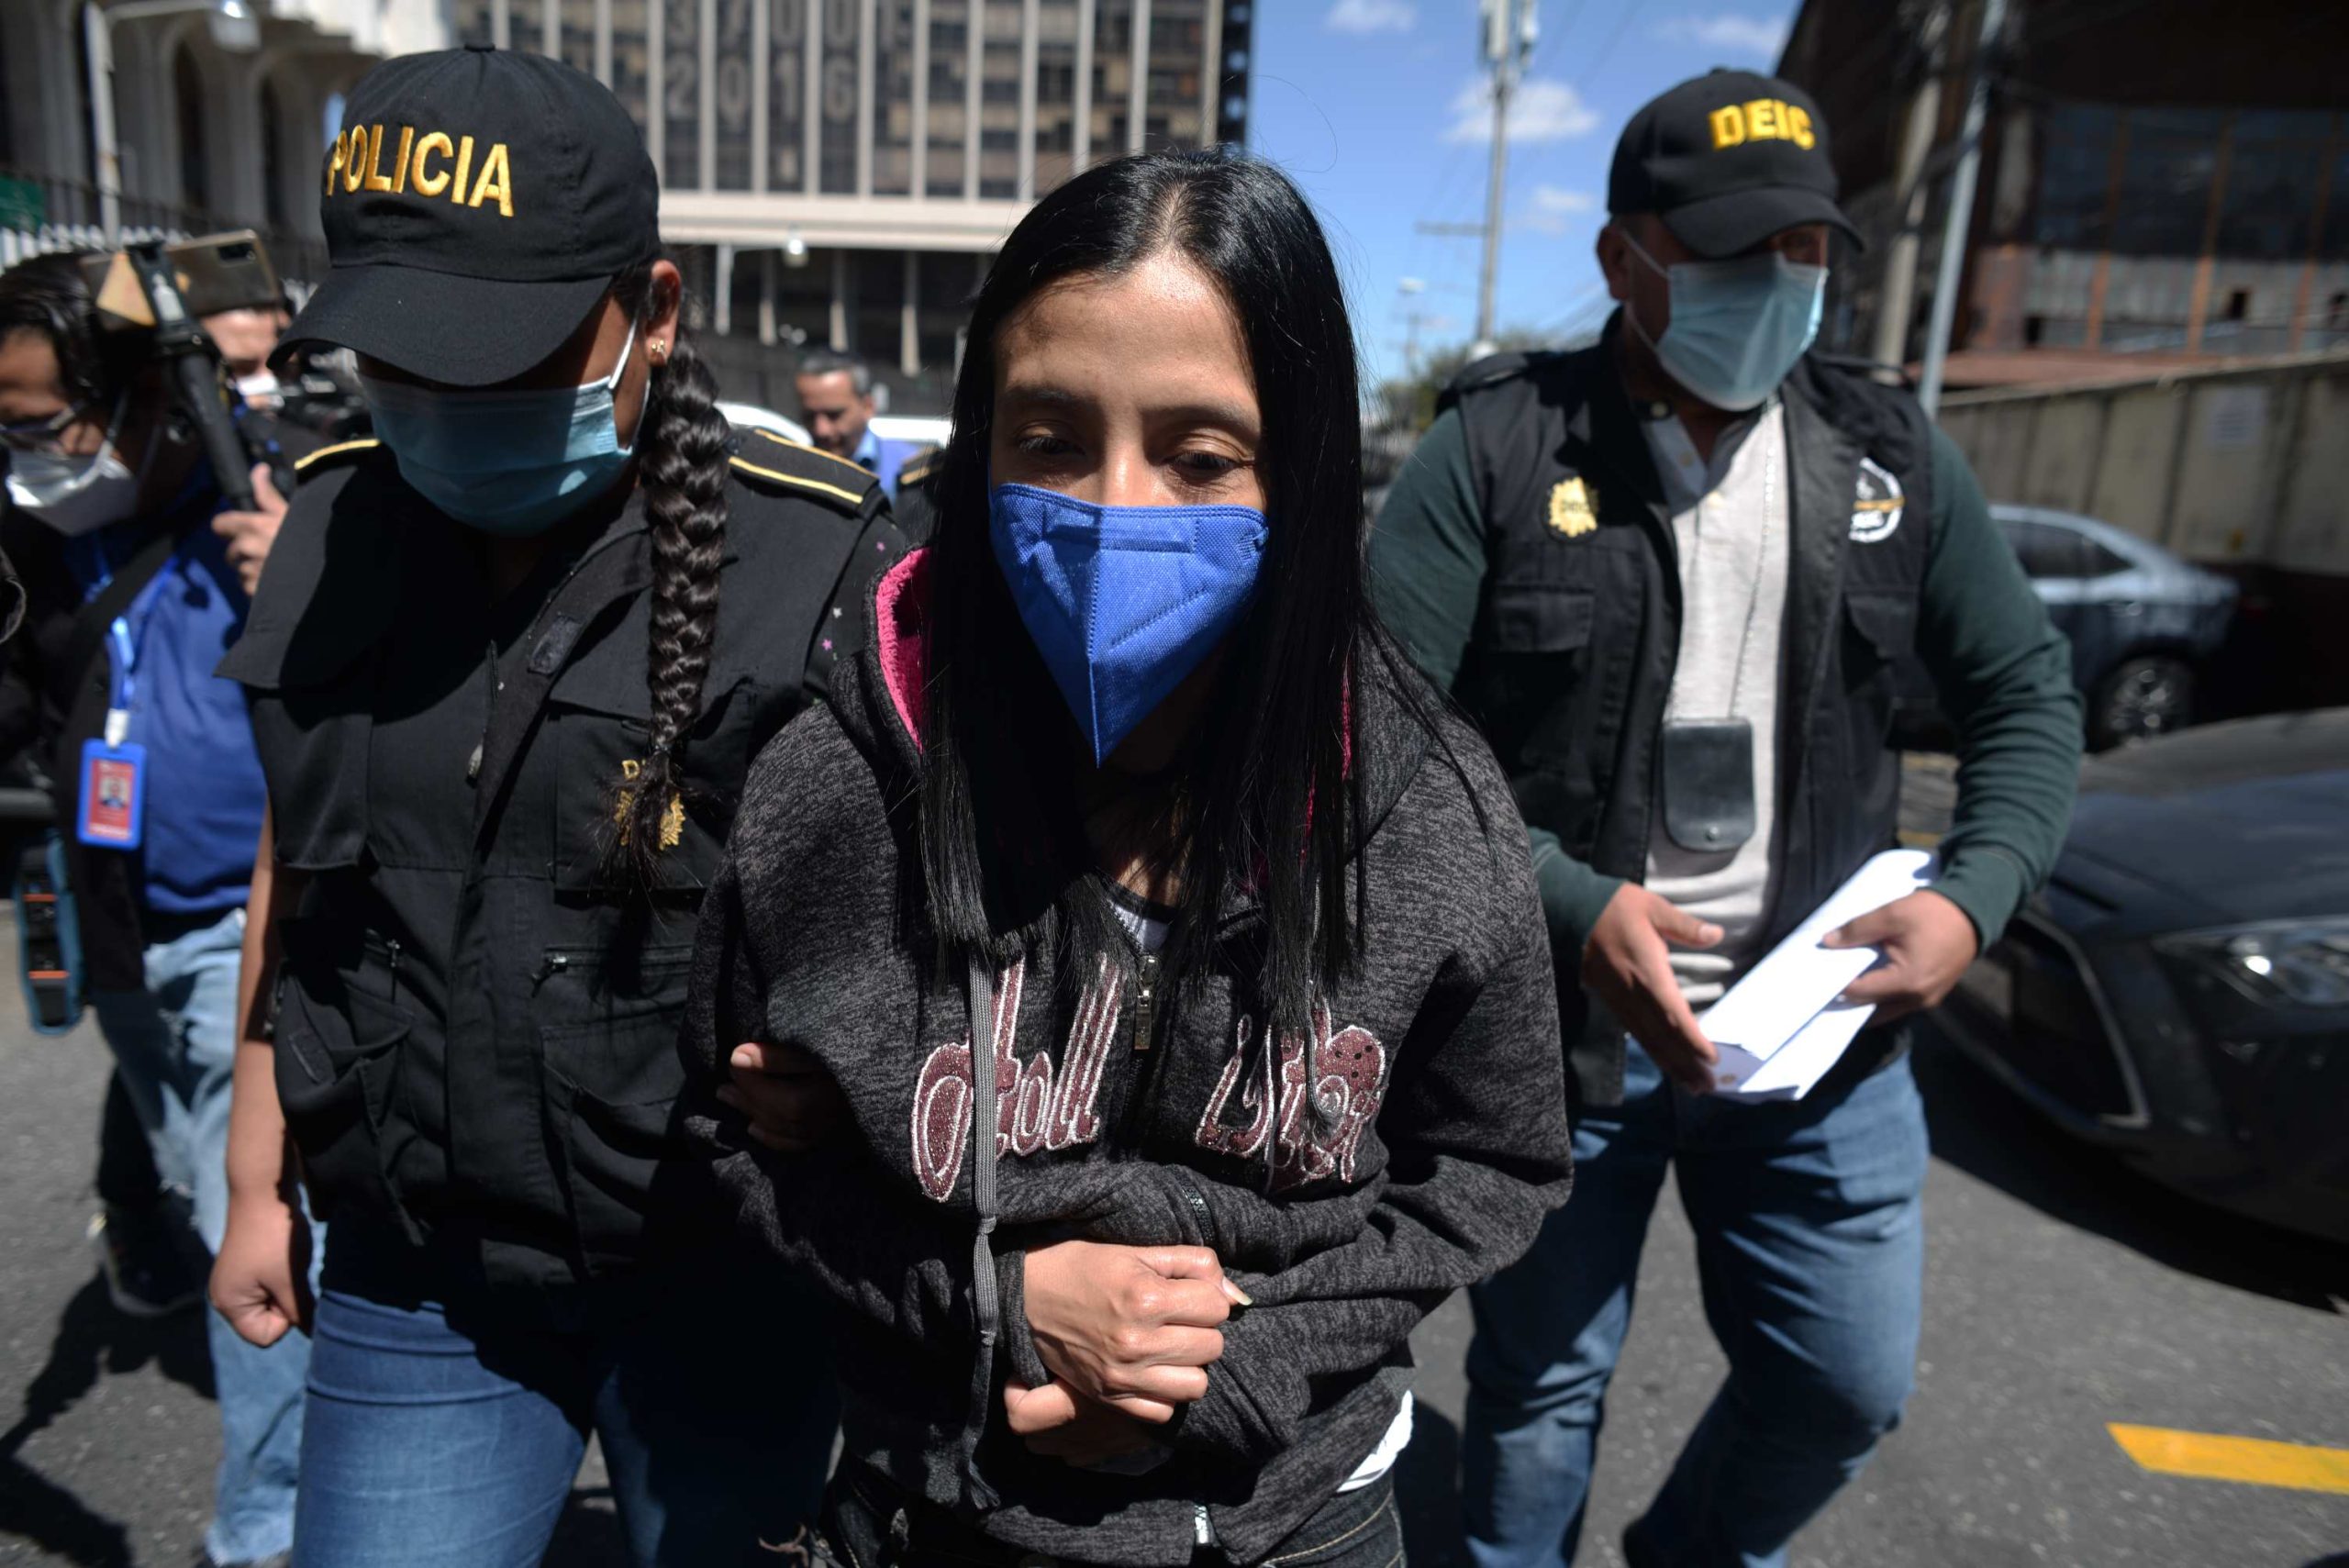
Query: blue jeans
x,y
176,1045
434,1442
1811,1249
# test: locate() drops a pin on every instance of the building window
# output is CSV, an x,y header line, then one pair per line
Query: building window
x,y
475,22
1055,93
950,74
188,89
2165,182
575,34
1113,75
999,101
729,86
893,99
787,94
1177,45
2272,172
2075,175
836,98
629,59
681,87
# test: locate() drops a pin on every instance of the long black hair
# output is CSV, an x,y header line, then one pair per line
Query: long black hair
x,y
1267,800
681,459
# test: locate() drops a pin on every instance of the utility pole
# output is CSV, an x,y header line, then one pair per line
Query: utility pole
x,y
1897,301
1508,29
1961,206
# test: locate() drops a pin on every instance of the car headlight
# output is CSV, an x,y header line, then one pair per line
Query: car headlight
x,y
2302,964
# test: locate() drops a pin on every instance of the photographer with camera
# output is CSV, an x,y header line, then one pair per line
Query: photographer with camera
x,y
132,598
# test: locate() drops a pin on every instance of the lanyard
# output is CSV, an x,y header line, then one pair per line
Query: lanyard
x,y
122,645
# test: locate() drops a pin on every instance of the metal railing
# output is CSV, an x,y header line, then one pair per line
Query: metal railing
x,y
42,212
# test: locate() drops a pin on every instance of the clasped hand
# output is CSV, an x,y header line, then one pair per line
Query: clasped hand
x,y
1128,1334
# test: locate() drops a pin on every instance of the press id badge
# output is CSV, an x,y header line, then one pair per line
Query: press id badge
x,y
113,767
114,794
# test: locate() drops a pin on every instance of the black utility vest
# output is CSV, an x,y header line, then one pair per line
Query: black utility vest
x,y
476,1036
1575,642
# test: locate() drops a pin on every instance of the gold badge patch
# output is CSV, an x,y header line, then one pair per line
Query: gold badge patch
x,y
672,820
1573,507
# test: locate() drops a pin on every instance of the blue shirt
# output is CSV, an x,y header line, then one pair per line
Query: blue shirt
x,y
203,786
883,458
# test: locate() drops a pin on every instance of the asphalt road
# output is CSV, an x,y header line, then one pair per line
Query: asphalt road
x,y
2063,1294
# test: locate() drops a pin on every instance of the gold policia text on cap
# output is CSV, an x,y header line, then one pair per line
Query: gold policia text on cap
x,y
357,164
1764,119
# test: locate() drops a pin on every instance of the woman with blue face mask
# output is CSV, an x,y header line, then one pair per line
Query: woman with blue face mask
x,y
1166,1001
507,670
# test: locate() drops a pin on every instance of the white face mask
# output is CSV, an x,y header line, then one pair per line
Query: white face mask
x,y
77,495
260,387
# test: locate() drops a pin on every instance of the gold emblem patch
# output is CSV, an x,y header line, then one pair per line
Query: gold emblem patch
x,y
672,821
1573,507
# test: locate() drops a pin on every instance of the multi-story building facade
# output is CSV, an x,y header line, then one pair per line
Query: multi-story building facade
x,y
833,171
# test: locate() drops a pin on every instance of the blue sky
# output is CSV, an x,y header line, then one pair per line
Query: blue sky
x,y
1375,107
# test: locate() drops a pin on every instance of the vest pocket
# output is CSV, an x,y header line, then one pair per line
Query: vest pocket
x,y
1880,634
612,1090
337,1071
1534,619
599,723
1528,685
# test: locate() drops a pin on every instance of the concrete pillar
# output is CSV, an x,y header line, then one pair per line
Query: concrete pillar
x,y
909,317
766,298
840,301
722,304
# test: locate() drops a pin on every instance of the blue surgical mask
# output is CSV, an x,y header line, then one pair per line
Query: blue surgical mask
x,y
1123,602
505,463
1737,326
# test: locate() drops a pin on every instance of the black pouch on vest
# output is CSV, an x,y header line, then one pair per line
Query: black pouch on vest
x,y
1709,783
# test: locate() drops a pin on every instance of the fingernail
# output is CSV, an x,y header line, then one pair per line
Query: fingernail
x,y
743,1057
1238,1294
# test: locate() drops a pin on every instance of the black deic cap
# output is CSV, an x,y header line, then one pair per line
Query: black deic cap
x,y
1726,160
477,205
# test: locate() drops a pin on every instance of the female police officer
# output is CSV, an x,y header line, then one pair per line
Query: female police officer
x,y
507,673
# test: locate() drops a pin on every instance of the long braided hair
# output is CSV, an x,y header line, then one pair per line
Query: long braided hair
x,y
681,456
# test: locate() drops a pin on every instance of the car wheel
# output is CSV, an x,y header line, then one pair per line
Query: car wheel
x,y
2143,700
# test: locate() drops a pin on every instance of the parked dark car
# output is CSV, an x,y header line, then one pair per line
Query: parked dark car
x,y
2141,620
2180,992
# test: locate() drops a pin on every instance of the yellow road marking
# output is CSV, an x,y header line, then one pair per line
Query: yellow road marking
x,y
2255,1461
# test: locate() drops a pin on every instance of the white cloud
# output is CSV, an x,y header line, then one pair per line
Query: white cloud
x,y
1539,111
1728,34
1371,16
1551,205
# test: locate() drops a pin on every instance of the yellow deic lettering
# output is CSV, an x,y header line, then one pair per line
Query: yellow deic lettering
x,y
465,162
334,160
497,180
399,165
376,179
1764,119
354,159
430,183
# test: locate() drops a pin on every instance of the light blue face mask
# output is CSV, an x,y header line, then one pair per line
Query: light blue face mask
x,y
1737,326
1122,602
503,461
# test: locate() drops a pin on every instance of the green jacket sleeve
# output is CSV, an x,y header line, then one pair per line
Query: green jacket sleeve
x,y
2004,675
1427,577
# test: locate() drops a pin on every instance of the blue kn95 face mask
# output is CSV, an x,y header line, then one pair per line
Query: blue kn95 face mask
x,y
1737,327
1122,602
509,462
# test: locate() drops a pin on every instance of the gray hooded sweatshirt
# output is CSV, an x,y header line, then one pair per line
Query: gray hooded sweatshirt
x,y
1441,1142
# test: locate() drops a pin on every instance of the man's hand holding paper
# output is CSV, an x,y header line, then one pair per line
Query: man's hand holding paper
x,y
1927,943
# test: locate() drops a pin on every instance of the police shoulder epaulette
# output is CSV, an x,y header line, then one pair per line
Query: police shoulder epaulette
x,y
918,468
1492,370
342,454
769,462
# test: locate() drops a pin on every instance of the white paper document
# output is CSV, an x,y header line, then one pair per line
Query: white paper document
x,y
1780,1029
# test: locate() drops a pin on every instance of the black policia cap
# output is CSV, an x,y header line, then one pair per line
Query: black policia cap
x,y
477,205
1727,160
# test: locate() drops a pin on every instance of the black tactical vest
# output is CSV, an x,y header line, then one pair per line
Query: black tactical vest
x,y
1572,658
476,1035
